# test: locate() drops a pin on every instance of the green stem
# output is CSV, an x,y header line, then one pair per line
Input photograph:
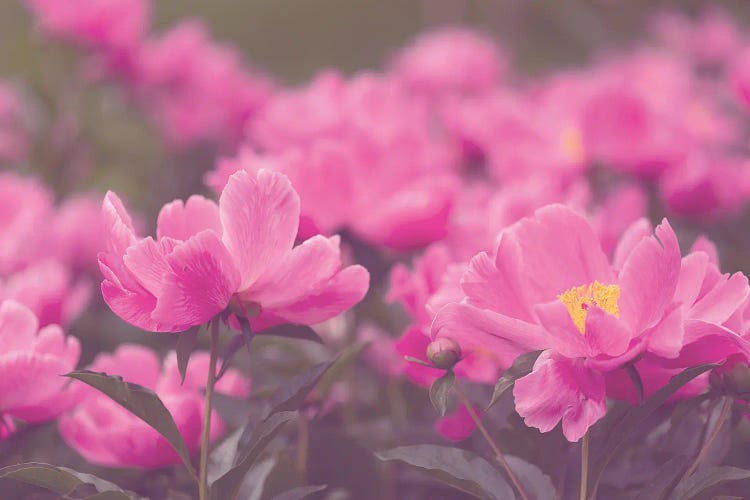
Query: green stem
x,y
498,454
203,484
720,420
584,466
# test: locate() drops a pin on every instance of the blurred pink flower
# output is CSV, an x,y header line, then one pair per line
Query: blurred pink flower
x,y
105,433
550,286
458,425
32,361
14,141
196,89
617,212
240,251
77,232
450,61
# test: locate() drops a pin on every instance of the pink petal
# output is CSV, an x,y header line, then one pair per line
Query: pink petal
x,y
648,279
606,334
499,336
260,216
180,220
722,301
146,260
666,338
201,282
561,334
18,326
135,307
561,390
340,293
703,244
637,231
119,224
134,363
692,272
458,425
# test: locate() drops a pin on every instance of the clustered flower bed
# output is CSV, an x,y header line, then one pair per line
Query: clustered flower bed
x,y
426,267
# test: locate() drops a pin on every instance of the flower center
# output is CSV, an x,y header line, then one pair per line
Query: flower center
x,y
579,298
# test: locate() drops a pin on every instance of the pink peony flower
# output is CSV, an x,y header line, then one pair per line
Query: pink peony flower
x,y
32,361
77,232
550,286
240,251
14,141
458,425
105,433
196,89
450,61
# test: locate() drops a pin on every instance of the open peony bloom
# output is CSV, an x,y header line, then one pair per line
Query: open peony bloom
x,y
107,434
32,361
550,286
240,251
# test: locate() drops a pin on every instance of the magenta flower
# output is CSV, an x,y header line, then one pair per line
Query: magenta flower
x,y
105,433
32,361
550,286
240,251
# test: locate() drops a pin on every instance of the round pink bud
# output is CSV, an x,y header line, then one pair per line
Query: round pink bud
x,y
444,353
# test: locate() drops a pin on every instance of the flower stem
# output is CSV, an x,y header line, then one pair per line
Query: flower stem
x,y
584,466
203,484
498,454
720,420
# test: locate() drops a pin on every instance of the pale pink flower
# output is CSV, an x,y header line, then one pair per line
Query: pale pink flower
x,y
32,362
239,251
450,61
196,89
617,212
458,425
107,434
550,286
77,232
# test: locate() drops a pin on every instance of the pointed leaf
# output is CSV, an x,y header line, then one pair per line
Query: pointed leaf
x,y
292,394
521,367
186,343
536,484
234,345
459,468
418,361
300,492
227,486
291,331
440,390
635,377
141,402
705,479
664,479
635,416
62,480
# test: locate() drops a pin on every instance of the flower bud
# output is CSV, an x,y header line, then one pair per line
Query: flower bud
x,y
444,353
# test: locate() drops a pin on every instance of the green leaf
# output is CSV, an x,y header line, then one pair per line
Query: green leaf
x,y
520,368
705,479
635,377
300,492
63,481
536,484
141,402
340,366
234,345
440,390
664,479
186,343
291,331
459,468
633,419
292,394
227,486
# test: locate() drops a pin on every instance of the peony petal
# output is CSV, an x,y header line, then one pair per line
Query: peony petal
x,y
147,262
18,327
637,231
561,334
180,220
118,223
201,282
605,333
260,216
667,337
692,273
722,301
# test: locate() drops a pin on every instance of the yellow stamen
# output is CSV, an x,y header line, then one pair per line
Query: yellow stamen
x,y
579,298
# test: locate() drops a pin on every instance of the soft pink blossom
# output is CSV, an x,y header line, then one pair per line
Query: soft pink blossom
x,y
241,251
550,286
32,362
458,425
105,433
14,141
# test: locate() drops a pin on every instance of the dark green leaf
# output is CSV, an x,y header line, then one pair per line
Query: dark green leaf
x,y
705,479
234,345
299,493
341,365
636,416
62,480
440,390
459,468
292,394
254,482
536,484
227,486
635,377
141,402
290,331
664,479
520,368
186,343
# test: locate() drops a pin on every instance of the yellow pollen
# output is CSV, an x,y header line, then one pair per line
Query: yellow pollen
x,y
579,298
571,143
